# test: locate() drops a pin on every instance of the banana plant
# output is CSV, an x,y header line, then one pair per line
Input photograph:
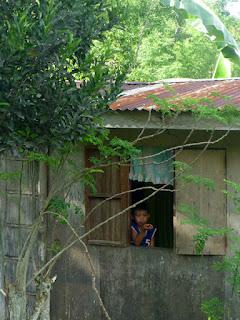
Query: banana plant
x,y
223,68
207,21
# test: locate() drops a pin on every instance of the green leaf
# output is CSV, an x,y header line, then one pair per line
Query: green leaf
x,y
59,208
197,180
213,308
196,9
4,105
192,215
223,68
9,176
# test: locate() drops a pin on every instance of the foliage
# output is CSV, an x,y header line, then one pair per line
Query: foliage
x,y
168,46
192,215
210,23
223,68
200,108
8,176
203,230
51,161
88,179
213,308
40,107
231,22
197,180
45,45
231,264
205,233
180,166
61,209
111,148
55,247
233,193
118,148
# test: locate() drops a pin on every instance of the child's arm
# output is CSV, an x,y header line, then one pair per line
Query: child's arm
x,y
152,243
138,237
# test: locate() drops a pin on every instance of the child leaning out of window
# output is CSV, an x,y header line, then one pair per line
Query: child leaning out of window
x,y
142,233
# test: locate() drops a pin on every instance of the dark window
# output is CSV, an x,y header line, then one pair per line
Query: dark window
x,y
160,207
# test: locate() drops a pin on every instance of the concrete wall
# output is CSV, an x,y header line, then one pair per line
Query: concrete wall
x,y
138,283
156,284
135,283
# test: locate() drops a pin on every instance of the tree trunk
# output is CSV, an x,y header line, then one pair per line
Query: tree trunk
x,y
42,307
17,302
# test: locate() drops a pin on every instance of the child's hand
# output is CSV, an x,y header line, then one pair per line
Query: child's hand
x,y
147,226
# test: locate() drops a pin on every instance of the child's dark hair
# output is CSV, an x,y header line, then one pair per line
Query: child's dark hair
x,y
138,208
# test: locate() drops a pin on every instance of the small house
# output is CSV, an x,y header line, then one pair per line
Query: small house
x,y
169,281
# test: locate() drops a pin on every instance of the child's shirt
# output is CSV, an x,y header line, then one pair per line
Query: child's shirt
x,y
146,241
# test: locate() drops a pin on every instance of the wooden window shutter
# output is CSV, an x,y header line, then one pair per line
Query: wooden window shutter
x,y
113,181
210,204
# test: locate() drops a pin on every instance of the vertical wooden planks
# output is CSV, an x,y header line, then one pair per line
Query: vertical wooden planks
x,y
109,184
210,204
21,200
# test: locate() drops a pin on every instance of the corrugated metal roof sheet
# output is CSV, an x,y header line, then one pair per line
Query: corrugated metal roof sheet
x,y
138,97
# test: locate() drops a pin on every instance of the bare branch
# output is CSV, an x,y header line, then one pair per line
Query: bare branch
x,y
121,194
93,272
157,133
144,127
193,144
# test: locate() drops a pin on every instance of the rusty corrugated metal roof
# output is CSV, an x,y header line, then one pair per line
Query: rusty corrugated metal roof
x,y
219,91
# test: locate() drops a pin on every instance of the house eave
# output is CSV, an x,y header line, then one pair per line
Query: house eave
x,y
138,119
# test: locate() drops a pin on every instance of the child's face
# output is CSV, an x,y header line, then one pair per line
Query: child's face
x,y
141,217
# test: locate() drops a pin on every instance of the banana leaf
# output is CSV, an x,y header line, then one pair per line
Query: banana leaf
x,y
223,68
196,9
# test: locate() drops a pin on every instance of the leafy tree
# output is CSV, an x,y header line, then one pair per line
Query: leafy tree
x,y
167,46
45,46
166,55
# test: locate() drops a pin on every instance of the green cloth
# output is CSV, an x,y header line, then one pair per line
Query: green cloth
x,y
157,167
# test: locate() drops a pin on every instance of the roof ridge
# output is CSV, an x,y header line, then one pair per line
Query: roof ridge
x,y
175,80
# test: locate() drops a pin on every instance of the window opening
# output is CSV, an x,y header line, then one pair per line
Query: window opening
x,y
160,208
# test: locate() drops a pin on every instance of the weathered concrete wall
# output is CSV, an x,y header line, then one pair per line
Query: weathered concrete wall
x,y
73,297
135,284
156,284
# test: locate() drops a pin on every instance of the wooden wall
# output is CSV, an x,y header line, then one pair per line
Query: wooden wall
x,y
21,198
